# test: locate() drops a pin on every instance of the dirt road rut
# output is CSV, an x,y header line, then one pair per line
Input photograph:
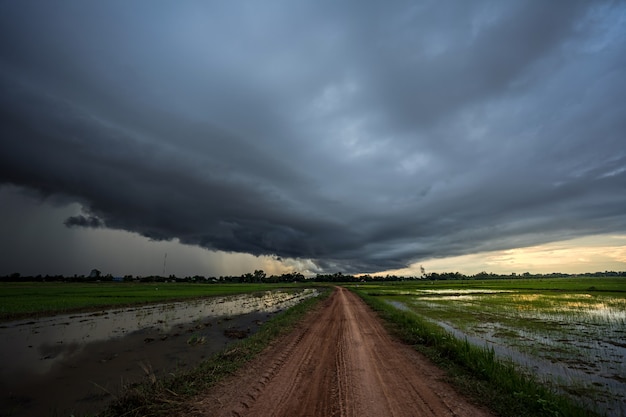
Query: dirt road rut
x,y
339,362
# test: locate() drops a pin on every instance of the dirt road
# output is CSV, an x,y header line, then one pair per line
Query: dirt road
x,y
339,362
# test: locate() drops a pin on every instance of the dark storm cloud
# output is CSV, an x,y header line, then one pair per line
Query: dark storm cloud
x,y
84,221
361,135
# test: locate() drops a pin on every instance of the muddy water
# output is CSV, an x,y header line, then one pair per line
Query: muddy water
x,y
75,364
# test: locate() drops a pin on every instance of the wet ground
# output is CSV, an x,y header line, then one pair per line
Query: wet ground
x,y
75,364
598,382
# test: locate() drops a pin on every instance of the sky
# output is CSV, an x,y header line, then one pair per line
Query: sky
x,y
214,138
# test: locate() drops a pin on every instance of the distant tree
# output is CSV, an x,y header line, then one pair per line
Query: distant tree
x,y
259,275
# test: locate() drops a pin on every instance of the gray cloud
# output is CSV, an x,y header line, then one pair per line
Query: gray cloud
x,y
84,221
361,136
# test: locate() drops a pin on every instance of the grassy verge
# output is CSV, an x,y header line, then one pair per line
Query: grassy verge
x,y
476,371
160,397
44,298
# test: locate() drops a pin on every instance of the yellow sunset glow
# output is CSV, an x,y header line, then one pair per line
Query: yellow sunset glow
x,y
586,254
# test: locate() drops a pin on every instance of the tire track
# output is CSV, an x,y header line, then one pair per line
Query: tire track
x,y
268,373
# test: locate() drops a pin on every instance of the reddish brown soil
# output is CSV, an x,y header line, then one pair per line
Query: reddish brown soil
x,y
339,362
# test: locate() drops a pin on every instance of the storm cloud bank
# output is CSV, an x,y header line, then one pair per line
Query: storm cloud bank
x,y
361,135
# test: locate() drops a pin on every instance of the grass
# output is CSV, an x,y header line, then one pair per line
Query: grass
x,y
44,298
476,371
566,284
161,397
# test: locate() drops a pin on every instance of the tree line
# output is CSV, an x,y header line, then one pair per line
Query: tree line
x,y
259,276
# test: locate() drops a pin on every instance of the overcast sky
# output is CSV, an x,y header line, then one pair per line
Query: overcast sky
x,y
325,136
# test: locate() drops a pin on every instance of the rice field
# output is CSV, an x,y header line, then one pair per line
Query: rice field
x,y
571,332
25,299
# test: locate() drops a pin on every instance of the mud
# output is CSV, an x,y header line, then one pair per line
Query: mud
x,y
76,364
339,362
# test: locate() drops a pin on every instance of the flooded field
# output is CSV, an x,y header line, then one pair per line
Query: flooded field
x,y
575,342
77,363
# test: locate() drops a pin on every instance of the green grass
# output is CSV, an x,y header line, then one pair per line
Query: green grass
x,y
474,370
43,298
568,284
162,397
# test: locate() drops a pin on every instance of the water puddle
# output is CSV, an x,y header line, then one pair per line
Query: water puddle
x,y
450,294
77,363
460,291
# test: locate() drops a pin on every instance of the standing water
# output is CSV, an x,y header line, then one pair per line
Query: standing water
x,y
573,342
77,363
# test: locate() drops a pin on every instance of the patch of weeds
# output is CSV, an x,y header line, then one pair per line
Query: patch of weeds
x,y
196,340
506,334
236,333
